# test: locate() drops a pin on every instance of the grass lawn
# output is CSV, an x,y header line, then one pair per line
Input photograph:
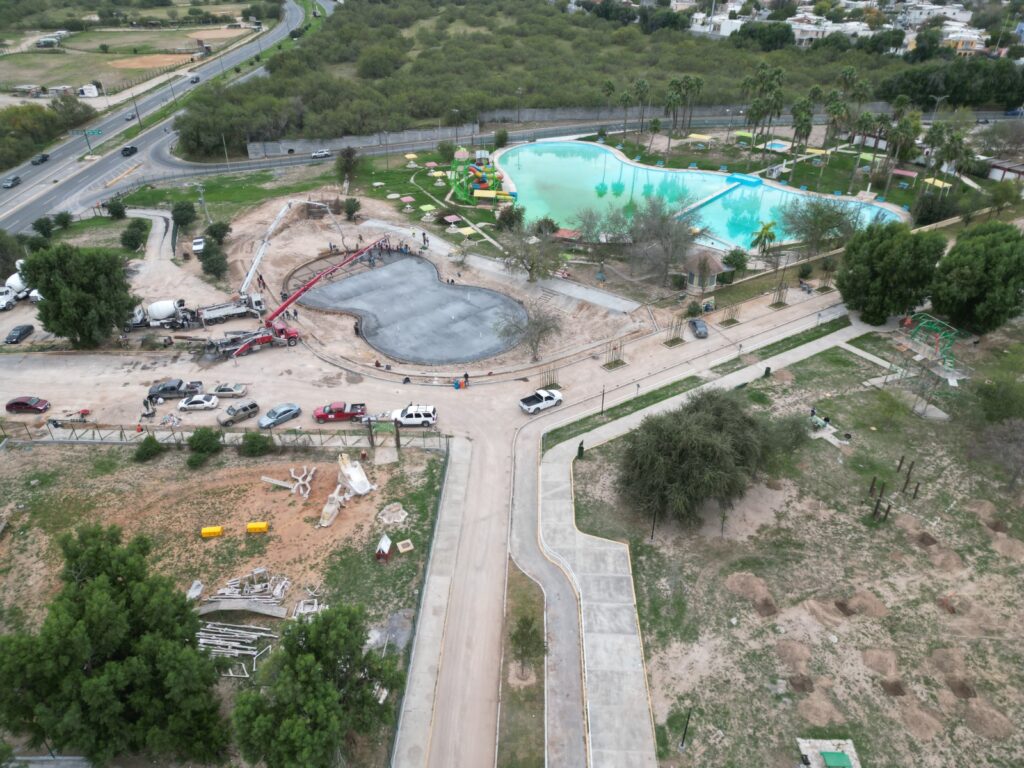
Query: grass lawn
x,y
50,69
521,730
97,232
229,194
136,41
925,599
587,423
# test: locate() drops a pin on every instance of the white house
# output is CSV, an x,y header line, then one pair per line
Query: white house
x,y
913,15
716,26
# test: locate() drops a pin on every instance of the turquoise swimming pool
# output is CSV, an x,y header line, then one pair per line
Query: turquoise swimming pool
x,y
561,178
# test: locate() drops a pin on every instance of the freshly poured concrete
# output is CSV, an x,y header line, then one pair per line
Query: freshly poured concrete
x,y
409,314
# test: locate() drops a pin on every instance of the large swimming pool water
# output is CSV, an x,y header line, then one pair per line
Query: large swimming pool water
x,y
559,179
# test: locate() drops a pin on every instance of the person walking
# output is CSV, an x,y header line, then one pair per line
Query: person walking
x,y
465,380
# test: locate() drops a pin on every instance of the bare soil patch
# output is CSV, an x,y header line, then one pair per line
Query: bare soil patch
x,y
961,688
925,539
923,724
985,720
794,655
801,684
880,660
217,34
752,588
817,709
893,688
150,61
863,602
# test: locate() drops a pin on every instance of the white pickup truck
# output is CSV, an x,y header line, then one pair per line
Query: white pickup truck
x,y
541,399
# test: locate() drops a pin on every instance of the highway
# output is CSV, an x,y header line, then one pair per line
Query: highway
x,y
67,183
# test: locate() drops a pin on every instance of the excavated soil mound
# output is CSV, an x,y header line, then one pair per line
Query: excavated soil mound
x,y
794,655
869,605
985,720
817,710
880,660
753,588
946,559
949,661
926,540
922,724
984,509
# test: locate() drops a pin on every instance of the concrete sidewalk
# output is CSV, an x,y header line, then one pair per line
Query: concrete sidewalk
x,y
619,720
412,743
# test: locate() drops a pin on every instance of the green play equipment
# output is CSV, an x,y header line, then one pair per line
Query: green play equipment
x,y
938,336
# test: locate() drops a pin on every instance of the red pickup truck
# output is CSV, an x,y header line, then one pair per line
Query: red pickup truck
x,y
340,412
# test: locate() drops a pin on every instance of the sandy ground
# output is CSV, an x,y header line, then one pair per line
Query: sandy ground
x,y
150,61
217,34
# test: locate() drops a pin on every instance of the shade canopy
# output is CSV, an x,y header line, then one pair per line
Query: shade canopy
x,y
408,199
467,231
451,218
411,156
427,208
699,137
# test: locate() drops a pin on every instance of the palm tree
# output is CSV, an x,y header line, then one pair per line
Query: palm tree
x,y
624,100
861,92
696,86
655,130
900,106
763,239
672,102
773,105
608,90
900,140
863,125
954,152
847,79
641,89
803,120
675,99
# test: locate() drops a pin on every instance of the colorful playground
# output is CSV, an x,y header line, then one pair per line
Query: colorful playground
x,y
475,180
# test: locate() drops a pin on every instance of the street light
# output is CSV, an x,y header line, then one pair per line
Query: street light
x,y
519,104
728,130
938,100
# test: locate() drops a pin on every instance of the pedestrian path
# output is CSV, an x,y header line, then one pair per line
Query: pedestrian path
x,y
620,727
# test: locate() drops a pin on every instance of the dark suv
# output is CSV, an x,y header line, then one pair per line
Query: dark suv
x,y
129,150
41,158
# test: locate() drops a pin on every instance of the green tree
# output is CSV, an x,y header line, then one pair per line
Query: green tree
x,y
536,255
10,251
511,217
133,237
763,240
63,219
183,213
214,262
115,668
979,284
318,689
662,236
446,151
352,206
819,223
1004,194
707,450
218,231
500,138
346,164
44,226
527,643
116,208
1001,397
887,270
87,293
736,259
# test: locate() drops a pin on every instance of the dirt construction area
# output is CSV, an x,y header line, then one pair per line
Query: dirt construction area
x,y
150,61
799,615
50,490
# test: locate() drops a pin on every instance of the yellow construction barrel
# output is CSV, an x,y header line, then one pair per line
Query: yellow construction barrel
x,y
212,531
257,527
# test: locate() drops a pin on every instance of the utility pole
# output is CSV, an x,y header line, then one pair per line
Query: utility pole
x,y
938,100
225,145
138,117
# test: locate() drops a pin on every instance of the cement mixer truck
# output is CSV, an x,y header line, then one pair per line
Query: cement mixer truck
x,y
15,289
167,313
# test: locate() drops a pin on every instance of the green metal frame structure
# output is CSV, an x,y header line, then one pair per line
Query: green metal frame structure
x,y
938,335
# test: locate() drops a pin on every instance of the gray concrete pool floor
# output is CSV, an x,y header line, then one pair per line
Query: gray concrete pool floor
x,y
408,314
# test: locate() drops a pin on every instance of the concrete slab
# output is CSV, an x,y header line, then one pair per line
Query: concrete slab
x,y
407,313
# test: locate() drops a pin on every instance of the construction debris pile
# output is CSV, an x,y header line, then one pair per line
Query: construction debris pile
x,y
311,606
236,641
352,481
259,586
299,484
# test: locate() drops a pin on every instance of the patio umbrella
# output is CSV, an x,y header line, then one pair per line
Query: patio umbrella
x,y
431,164
452,218
462,154
408,199
467,231
427,208
411,156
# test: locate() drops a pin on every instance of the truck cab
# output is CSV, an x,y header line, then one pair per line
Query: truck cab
x,y
339,412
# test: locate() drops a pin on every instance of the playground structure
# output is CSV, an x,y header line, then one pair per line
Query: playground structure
x,y
478,179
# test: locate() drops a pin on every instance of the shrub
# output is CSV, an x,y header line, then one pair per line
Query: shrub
x,y
183,213
44,226
196,460
352,206
255,444
205,440
805,271
63,219
679,282
134,235
511,217
116,208
148,449
693,309
218,230
500,138
446,150
214,262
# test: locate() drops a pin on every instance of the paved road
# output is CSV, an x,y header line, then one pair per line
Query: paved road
x,y
62,182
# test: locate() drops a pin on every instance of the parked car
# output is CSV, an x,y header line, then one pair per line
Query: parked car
x,y
240,411
340,412
320,154
41,158
198,403
129,150
28,404
279,414
18,334
11,181
229,390
198,245
174,388
540,400
699,328
415,416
